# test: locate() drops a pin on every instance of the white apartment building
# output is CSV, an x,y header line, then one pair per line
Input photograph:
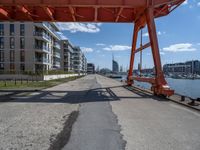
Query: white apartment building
x,y
79,60
28,46
67,50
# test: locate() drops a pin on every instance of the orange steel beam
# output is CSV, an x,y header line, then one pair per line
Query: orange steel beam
x,y
25,12
49,13
143,47
144,79
140,12
134,42
4,14
90,10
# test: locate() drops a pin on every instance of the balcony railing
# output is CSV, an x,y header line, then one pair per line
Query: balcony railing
x,y
56,54
56,45
41,34
41,60
43,47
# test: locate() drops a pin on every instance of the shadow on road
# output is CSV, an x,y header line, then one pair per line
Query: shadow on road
x,y
72,97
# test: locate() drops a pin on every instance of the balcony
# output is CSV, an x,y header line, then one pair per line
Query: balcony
x,y
40,60
56,64
41,48
56,45
41,36
56,54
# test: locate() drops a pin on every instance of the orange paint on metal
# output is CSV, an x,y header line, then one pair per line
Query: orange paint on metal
x,y
140,12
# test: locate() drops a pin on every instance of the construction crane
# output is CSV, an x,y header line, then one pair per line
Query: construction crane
x,y
140,12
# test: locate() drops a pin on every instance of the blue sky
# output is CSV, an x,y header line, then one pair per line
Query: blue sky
x,y
178,34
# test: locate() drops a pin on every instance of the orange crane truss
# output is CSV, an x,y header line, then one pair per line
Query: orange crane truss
x,y
139,12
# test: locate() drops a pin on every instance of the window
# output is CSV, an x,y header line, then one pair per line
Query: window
x,y
12,42
22,29
12,66
1,66
1,43
12,29
1,56
1,29
22,56
22,43
12,56
22,67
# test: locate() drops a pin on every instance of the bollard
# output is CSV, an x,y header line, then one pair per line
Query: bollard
x,y
5,84
182,98
21,80
192,103
15,82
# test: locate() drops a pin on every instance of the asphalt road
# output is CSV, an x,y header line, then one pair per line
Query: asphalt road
x,y
96,113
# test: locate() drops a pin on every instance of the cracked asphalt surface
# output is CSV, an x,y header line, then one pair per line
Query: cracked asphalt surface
x,y
96,113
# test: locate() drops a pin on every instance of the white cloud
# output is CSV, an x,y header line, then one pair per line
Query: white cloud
x,y
198,4
198,43
62,36
162,53
181,47
158,33
145,34
86,49
100,44
80,27
185,2
117,48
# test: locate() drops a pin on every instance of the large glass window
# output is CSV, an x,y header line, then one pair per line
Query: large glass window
x,y
1,56
1,42
12,42
1,29
22,43
12,29
22,29
22,56
12,56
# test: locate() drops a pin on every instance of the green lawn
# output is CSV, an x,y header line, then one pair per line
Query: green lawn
x,y
34,84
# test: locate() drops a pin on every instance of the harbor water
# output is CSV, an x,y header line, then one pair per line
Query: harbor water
x,y
186,87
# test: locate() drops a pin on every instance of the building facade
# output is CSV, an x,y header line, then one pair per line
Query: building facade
x,y
72,58
189,67
29,47
115,66
67,50
36,47
90,68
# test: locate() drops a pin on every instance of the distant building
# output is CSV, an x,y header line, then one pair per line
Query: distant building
x,y
105,71
189,67
115,66
79,61
66,56
90,68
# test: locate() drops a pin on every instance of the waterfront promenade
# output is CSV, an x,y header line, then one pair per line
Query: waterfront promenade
x,y
96,113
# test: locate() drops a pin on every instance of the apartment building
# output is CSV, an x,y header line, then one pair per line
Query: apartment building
x,y
189,67
27,46
90,68
66,56
79,61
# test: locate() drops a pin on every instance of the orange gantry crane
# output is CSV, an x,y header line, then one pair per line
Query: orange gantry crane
x,y
139,12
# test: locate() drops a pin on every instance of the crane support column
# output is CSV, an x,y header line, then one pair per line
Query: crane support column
x,y
134,42
160,87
